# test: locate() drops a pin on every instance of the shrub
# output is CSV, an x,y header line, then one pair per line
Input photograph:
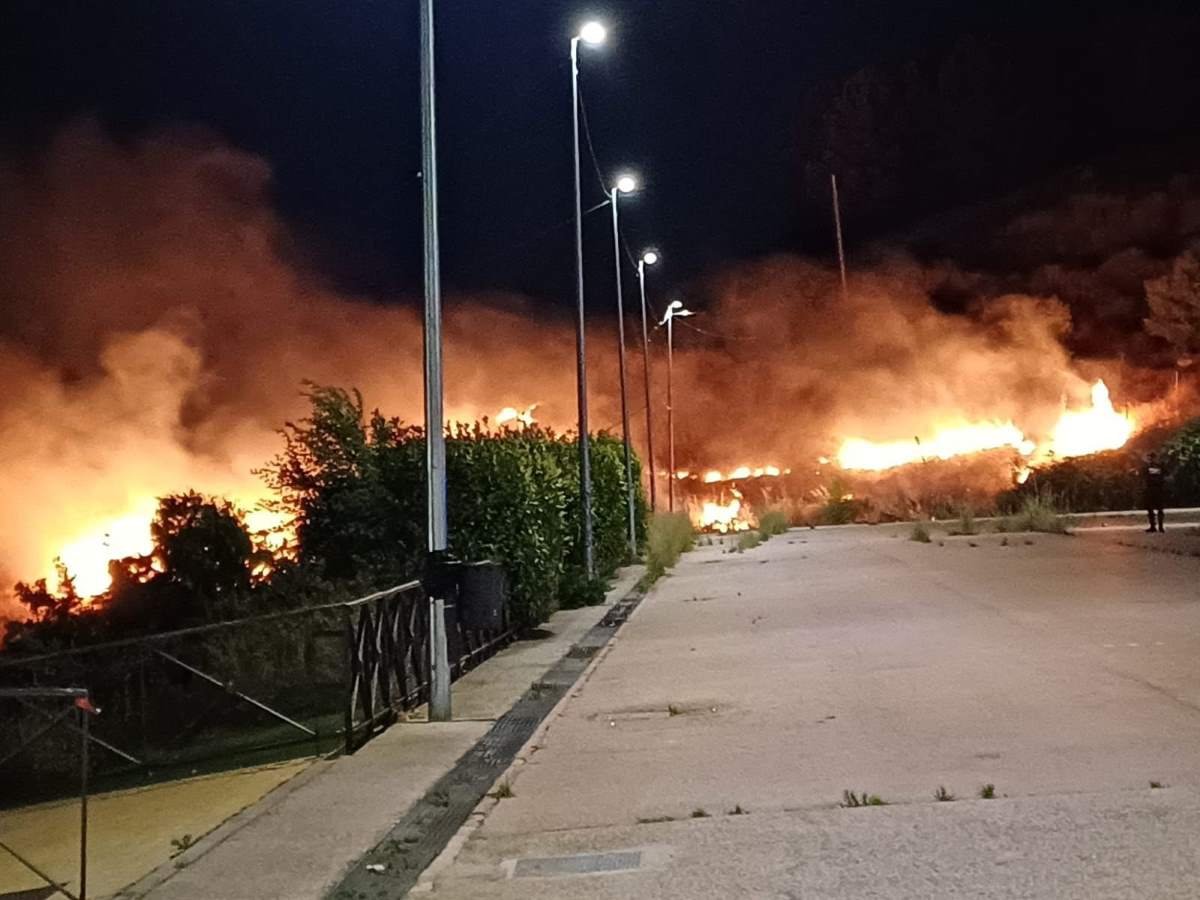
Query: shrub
x,y
966,521
920,533
670,534
356,486
1037,513
748,540
773,521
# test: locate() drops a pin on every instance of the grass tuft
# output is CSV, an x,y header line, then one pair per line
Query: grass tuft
x,y
966,521
851,800
773,521
941,795
504,790
987,792
1035,514
670,535
699,813
920,533
1156,784
748,540
738,811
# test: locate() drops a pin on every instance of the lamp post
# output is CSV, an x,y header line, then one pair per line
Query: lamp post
x,y
592,33
675,309
625,185
435,438
649,258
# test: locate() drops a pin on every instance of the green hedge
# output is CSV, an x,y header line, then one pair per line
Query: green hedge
x,y
356,486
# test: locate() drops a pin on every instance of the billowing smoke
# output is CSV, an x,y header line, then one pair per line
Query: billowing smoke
x,y
156,331
800,367
154,336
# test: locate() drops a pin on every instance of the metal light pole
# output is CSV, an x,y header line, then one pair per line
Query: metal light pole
x,y
625,184
435,436
673,310
591,33
649,258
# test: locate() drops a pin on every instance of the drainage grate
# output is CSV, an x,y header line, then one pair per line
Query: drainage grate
x,y
582,864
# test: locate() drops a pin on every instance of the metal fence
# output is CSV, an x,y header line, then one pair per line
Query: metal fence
x,y
301,682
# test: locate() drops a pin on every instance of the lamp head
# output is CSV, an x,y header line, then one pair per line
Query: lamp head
x,y
650,257
627,184
676,304
593,33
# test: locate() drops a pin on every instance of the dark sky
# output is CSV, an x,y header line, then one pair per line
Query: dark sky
x,y
702,98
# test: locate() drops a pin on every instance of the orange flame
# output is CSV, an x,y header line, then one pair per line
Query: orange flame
x,y
510,415
1077,433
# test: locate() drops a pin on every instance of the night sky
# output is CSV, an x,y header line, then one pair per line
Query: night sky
x,y
713,103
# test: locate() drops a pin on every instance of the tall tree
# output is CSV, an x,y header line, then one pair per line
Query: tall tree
x,y
1174,301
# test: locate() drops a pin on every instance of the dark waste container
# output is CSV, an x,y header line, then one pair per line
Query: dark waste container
x,y
481,598
443,579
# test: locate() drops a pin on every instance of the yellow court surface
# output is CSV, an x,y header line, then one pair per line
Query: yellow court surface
x,y
129,832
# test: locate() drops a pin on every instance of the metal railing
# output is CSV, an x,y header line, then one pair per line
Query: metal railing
x,y
300,682
80,703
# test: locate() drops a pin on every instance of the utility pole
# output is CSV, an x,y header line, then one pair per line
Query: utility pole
x,y
837,226
435,433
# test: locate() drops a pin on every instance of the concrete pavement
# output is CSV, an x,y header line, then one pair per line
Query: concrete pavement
x,y
1063,670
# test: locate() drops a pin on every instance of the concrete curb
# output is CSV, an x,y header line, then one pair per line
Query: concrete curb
x,y
448,855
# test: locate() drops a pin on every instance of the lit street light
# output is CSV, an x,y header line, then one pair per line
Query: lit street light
x,y
674,310
625,184
592,33
649,258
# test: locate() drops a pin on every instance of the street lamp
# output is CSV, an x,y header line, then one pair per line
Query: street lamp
x,y
592,33
674,310
625,184
435,434
649,258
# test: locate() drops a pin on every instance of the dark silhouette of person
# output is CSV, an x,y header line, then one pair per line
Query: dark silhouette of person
x,y
1154,477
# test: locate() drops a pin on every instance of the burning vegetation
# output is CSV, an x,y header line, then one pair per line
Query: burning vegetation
x,y
159,328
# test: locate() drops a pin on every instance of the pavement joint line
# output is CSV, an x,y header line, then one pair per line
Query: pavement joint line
x,y
439,823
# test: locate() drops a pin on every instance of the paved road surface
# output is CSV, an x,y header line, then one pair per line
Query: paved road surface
x,y
1063,670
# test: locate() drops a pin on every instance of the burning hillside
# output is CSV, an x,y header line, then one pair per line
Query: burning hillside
x,y
158,331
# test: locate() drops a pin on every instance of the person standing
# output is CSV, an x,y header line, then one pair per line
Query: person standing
x,y
1155,486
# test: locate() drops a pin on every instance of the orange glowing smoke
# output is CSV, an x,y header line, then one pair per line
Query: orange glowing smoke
x,y
1077,433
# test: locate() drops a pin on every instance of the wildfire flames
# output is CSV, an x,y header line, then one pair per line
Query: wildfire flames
x,y
158,337
1077,433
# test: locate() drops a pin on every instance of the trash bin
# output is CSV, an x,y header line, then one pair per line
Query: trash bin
x,y
482,595
443,579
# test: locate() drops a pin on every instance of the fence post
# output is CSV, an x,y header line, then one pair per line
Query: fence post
x,y
83,803
348,724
